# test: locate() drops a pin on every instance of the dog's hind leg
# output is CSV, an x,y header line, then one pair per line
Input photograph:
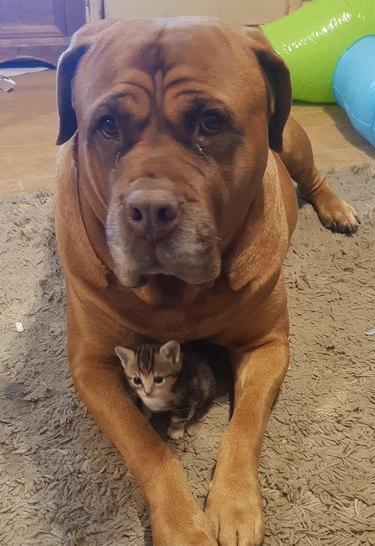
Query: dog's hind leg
x,y
334,213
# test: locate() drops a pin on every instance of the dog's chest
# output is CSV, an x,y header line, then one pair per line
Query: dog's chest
x,y
203,319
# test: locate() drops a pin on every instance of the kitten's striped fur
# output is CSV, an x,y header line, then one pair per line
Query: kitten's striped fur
x,y
169,379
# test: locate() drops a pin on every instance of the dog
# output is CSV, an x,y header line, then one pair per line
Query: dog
x,y
174,210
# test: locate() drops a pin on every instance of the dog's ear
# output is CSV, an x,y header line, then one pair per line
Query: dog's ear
x,y
279,86
66,69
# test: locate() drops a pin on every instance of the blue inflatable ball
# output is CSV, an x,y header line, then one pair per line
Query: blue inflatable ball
x,y
354,85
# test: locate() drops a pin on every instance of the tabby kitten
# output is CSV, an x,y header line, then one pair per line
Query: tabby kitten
x,y
167,379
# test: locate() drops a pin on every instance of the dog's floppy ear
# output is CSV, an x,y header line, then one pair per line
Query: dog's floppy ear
x,y
277,77
66,69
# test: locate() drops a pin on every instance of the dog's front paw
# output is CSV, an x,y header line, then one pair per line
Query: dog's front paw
x,y
183,524
335,213
236,515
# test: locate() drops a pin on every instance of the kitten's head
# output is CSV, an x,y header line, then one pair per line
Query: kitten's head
x,y
151,371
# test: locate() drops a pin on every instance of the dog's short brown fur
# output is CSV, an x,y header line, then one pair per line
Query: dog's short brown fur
x,y
173,219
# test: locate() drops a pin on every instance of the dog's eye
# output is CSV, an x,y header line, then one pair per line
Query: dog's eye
x,y
108,127
211,122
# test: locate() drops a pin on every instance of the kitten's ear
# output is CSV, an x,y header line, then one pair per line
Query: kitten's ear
x,y
171,352
125,355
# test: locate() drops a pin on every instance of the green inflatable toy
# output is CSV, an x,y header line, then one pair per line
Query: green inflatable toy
x,y
311,40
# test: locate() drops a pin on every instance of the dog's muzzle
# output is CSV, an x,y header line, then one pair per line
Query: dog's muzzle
x,y
154,229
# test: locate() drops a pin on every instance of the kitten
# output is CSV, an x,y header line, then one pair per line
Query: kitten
x,y
169,379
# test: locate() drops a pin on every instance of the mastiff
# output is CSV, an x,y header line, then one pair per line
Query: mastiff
x,y
174,210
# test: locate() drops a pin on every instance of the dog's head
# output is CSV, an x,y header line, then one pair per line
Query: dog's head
x,y
175,118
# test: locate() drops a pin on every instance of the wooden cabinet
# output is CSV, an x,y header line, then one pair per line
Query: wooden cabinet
x,y
38,28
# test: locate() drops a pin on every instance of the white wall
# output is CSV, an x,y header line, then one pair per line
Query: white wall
x,y
235,11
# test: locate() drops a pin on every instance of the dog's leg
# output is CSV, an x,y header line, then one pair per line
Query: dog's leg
x,y
234,503
175,517
99,378
334,213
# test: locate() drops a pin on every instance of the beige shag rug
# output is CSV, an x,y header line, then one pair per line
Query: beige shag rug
x,y
63,484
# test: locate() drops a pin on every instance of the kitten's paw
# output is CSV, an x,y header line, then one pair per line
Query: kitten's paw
x,y
175,433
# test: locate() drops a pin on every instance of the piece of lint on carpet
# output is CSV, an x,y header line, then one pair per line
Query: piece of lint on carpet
x,y
19,326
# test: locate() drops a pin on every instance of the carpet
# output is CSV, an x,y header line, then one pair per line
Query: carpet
x,y
63,483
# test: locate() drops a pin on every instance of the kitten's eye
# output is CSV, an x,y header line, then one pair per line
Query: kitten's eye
x,y
137,381
108,127
158,379
211,122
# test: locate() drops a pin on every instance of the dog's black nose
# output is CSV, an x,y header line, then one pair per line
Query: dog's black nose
x,y
152,213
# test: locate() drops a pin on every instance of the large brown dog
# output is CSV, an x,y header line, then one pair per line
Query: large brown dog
x,y
173,220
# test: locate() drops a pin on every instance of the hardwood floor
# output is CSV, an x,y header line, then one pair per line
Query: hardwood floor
x,y
335,142
28,128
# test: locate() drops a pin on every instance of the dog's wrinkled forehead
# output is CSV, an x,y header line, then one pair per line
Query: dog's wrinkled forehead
x,y
206,53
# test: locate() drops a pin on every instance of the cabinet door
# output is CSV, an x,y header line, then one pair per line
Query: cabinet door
x,y
38,28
